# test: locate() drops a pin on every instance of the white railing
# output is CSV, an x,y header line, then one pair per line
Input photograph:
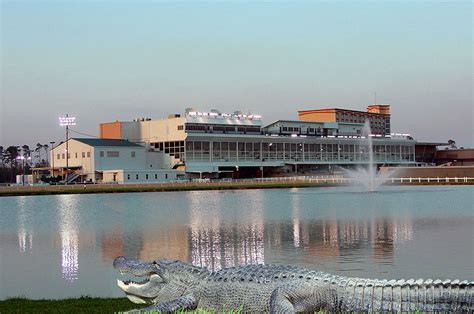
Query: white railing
x,y
331,179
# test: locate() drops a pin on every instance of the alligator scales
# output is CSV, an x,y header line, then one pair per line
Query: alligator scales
x,y
173,285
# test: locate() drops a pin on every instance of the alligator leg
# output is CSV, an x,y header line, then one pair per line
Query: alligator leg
x,y
183,303
297,297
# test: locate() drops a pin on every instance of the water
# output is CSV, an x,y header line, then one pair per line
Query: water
x,y
63,246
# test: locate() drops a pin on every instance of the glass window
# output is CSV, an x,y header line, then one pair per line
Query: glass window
x,y
83,155
132,154
58,156
101,154
88,154
156,176
136,176
113,154
128,176
75,155
146,176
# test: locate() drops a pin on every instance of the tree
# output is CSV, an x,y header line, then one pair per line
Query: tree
x,y
38,149
46,147
2,151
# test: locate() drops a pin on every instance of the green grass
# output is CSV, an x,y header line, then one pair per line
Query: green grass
x,y
166,188
80,305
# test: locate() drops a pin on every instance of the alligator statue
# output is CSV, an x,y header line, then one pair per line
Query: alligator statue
x,y
174,285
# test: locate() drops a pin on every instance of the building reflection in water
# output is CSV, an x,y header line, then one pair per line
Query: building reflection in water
x,y
215,242
25,229
112,244
333,237
68,232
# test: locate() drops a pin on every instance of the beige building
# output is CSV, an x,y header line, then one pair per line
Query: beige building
x,y
110,160
378,116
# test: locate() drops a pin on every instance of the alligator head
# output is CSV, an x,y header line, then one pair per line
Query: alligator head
x,y
176,276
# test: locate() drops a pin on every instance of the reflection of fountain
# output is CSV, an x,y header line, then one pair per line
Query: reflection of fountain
x,y
368,177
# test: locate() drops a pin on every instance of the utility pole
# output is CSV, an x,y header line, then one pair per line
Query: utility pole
x,y
67,121
52,157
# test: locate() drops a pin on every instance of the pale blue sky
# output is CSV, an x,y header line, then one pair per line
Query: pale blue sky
x,y
107,60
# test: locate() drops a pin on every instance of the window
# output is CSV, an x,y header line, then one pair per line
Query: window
x,y
132,154
128,176
64,156
113,154
180,127
83,155
88,154
101,154
156,176
146,176
59,156
166,176
68,156
76,155
136,176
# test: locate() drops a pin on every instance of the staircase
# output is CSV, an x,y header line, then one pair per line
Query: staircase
x,y
73,176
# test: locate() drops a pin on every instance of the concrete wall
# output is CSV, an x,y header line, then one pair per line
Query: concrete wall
x,y
140,176
431,172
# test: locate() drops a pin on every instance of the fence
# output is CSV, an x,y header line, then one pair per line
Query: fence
x,y
263,181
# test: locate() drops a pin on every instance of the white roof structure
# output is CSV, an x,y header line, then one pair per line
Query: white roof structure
x,y
216,117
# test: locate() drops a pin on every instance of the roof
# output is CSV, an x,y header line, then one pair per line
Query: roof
x,y
99,142
223,121
308,111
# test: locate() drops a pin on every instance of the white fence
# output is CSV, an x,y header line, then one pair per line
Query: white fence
x,y
300,179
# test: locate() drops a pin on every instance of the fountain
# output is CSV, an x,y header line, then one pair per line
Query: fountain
x,y
368,176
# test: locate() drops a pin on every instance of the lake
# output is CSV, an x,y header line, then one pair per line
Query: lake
x,y
63,246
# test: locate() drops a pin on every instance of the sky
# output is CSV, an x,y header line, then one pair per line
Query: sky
x,y
102,61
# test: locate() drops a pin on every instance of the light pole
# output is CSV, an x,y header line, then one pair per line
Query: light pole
x,y
67,121
22,157
52,157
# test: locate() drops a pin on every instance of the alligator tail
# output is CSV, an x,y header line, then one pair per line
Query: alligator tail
x,y
356,294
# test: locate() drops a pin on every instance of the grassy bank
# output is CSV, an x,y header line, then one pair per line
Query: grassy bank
x,y
79,305
91,189
189,186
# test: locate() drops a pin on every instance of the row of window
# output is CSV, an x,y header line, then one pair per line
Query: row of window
x,y
110,154
146,177
114,154
76,155
233,151
222,128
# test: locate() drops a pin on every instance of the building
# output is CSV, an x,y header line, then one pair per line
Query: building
x,y
110,160
377,115
215,144
456,157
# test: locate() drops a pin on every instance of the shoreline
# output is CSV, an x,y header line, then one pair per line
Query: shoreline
x,y
191,186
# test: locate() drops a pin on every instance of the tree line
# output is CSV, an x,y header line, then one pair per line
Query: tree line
x,y
16,160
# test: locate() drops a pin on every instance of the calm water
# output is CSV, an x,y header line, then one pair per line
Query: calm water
x,y
63,246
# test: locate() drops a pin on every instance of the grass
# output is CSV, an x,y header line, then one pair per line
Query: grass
x,y
80,305
163,188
